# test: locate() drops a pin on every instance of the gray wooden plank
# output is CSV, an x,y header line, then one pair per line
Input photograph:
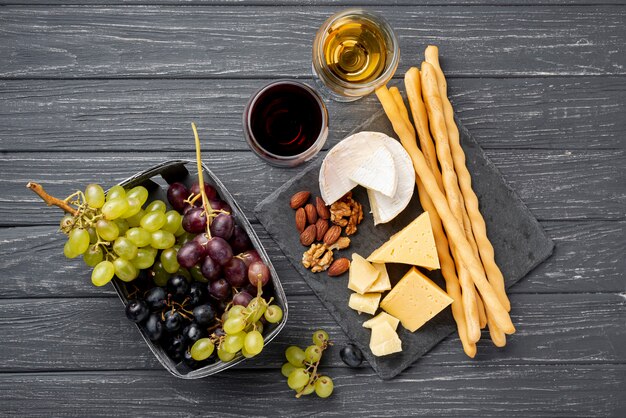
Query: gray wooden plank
x,y
588,258
240,42
556,185
369,3
467,391
53,115
93,334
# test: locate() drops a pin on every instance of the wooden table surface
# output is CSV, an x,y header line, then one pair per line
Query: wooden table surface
x,y
96,93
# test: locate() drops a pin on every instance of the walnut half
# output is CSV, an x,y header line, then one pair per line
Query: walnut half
x,y
317,258
347,212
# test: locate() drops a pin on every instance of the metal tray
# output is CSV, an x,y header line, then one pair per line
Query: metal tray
x,y
156,179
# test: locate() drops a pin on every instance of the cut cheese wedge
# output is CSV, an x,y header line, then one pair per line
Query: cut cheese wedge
x,y
385,208
362,274
377,172
384,340
382,317
414,245
367,303
382,284
415,300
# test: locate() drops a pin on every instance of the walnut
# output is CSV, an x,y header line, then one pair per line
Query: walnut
x,y
317,258
340,244
347,213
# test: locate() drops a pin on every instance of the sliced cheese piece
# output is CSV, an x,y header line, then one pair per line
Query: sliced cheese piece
x,y
382,317
415,300
414,245
377,172
367,303
382,284
385,208
384,340
362,274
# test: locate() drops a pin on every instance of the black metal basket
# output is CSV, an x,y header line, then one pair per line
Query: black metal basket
x,y
176,171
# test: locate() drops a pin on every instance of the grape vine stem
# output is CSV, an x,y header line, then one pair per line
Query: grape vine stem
x,y
205,200
50,200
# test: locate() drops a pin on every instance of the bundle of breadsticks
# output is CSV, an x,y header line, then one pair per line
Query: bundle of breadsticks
x,y
473,279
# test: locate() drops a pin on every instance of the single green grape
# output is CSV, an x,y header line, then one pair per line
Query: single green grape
x,y
308,389
202,349
125,248
114,208
245,352
320,337
195,271
122,225
295,356
102,273
139,236
273,314
93,236
313,354
257,306
236,311
115,192
108,230
169,261
162,239
180,231
156,206
144,259
298,379
152,221
233,342
135,220
134,206
324,386
287,368
159,275
256,325
93,255
254,342
94,195
140,193
125,270
173,221
234,324
68,251
184,238
78,240
224,355
185,273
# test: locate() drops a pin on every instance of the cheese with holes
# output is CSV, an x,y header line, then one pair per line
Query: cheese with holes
x,y
362,274
385,208
414,245
382,284
415,300
382,317
367,303
377,172
384,340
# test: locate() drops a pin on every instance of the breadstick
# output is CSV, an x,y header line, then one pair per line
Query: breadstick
x,y
482,316
413,87
455,231
443,251
497,336
465,180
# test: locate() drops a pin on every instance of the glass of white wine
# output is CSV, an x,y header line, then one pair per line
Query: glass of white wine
x,y
354,52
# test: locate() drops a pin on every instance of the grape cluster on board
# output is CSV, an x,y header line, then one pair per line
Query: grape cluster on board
x,y
301,368
194,281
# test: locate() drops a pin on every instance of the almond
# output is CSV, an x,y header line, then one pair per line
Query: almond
x,y
308,235
311,213
339,267
332,235
300,220
299,199
322,209
322,226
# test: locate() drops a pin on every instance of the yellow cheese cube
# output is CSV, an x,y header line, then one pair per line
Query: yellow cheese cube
x,y
364,303
362,274
384,340
383,283
414,245
382,317
415,300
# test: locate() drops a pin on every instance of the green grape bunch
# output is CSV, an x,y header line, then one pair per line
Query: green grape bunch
x,y
301,368
113,232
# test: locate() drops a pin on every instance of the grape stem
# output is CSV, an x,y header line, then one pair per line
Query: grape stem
x,y
50,200
205,200
313,373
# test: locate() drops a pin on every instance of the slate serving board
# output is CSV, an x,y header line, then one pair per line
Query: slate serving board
x,y
519,241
